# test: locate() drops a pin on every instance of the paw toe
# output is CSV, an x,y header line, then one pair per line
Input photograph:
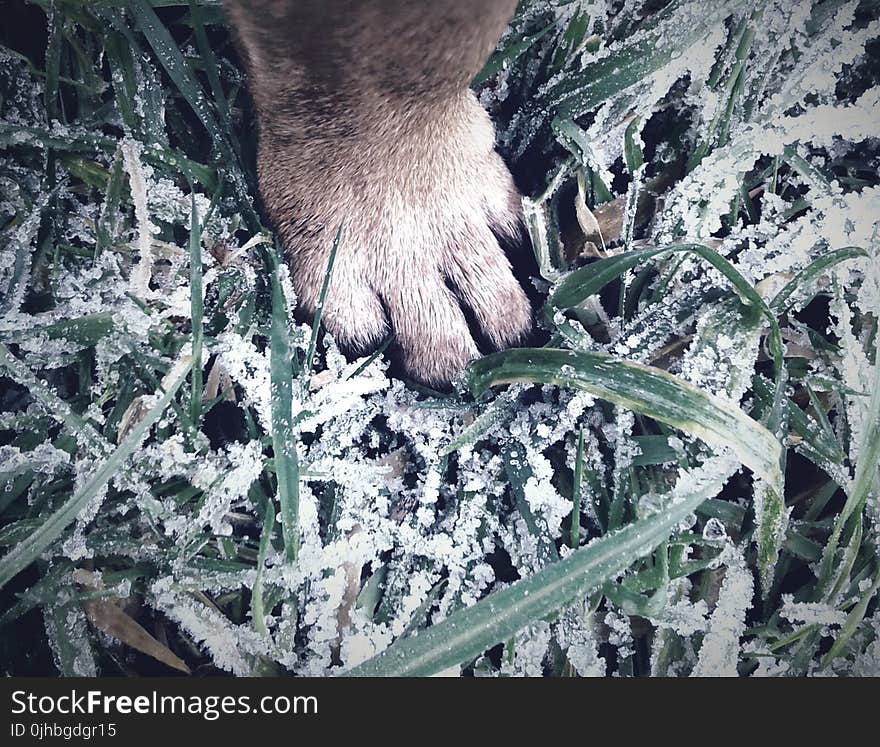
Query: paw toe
x,y
485,281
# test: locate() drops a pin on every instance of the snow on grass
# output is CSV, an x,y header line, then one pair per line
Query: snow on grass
x,y
413,505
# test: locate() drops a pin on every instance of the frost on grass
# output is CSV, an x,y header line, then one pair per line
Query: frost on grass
x,y
719,654
757,124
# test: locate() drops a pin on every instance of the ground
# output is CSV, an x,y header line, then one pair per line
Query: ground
x,y
682,480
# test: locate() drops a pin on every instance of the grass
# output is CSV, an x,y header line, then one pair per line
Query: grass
x,y
682,480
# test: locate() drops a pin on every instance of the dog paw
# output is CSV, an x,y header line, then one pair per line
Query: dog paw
x,y
423,202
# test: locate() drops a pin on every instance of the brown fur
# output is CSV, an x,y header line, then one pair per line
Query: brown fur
x,y
366,120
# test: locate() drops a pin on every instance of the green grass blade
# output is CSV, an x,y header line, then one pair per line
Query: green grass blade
x,y
653,450
811,441
466,633
283,436
377,353
632,150
862,484
197,310
631,62
771,520
491,416
67,634
258,611
91,142
30,549
853,620
576,141
574,537
139,96
105,226
503,57
319,309
783,300
720,122
53,64
211,68
60,411
584,282
86,330
172,60
642,389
